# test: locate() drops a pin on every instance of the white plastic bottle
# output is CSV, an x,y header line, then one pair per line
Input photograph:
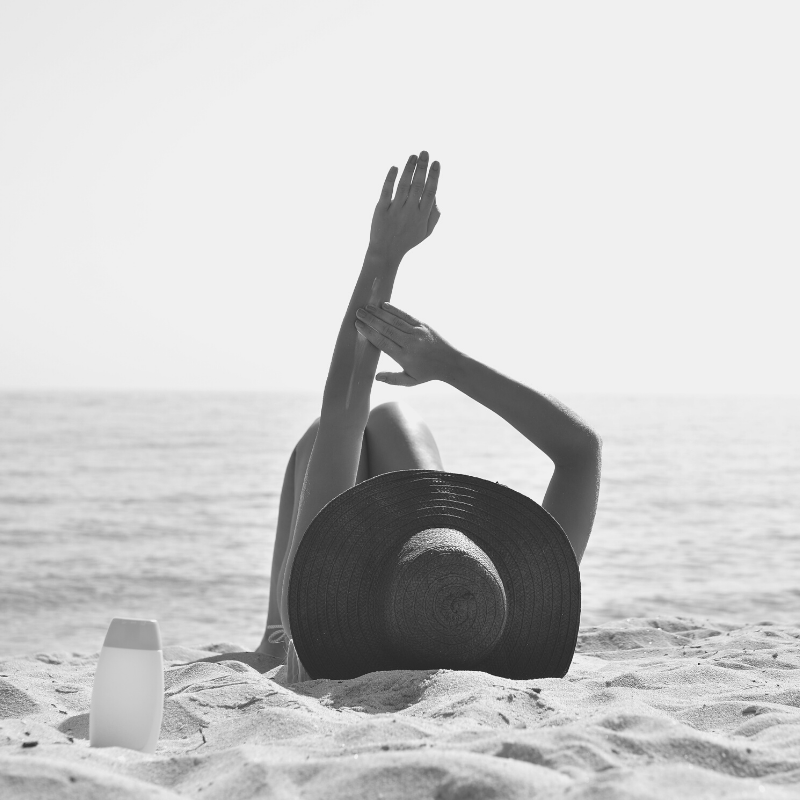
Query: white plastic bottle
x,y
128,693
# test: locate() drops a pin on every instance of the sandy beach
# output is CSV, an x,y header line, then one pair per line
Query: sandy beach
x,y
651,707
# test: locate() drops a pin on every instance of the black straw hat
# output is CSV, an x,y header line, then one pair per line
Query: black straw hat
x,y
422,569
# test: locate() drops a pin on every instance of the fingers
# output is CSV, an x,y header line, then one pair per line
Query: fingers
x,y
387,322
396,378
388,185
378,332
402,316
393,320
405,180
419,178
429,195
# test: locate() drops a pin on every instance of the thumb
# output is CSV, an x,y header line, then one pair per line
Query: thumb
x,y
395,378
433,218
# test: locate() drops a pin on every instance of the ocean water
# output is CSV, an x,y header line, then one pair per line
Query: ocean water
x,y
164,506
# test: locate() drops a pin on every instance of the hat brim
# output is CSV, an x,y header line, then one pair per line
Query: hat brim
x,y
338,577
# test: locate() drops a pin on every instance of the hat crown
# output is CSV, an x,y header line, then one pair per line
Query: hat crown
x,y
445,605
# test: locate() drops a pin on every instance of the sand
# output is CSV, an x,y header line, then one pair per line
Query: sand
x,y
651,707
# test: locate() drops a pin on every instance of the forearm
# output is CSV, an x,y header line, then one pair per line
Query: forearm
x,y
556,430
347,391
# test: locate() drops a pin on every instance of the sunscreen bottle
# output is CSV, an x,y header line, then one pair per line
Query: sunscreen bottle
x,y
128,692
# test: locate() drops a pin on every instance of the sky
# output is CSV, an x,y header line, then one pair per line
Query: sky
x,y
186,189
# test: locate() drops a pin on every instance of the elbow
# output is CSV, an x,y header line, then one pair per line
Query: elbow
x,y
591,441
593,449
589,447
596,447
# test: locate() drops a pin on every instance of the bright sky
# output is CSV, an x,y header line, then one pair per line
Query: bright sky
x,y
186,189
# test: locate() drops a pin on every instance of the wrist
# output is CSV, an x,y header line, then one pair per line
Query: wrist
x,y
381,256
451,369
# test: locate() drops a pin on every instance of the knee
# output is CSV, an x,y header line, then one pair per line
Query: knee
x,y
394,416
307,439
399,439
391,410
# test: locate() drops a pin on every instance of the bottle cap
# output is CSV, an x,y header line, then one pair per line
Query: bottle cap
x,y
135,634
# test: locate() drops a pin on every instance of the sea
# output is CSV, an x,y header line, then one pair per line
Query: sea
x,y
164,506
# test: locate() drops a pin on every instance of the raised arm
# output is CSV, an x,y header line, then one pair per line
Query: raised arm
x,y
557,431
570,443
397,226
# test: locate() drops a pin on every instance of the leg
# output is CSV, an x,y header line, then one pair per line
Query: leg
x,y
273,642
396,438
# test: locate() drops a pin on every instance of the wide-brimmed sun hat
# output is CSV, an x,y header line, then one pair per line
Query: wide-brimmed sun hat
x,y
422,569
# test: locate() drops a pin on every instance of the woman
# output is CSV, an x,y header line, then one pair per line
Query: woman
x,y
348,443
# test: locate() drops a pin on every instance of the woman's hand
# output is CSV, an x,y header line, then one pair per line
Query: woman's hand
x,y
422,353
399,225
